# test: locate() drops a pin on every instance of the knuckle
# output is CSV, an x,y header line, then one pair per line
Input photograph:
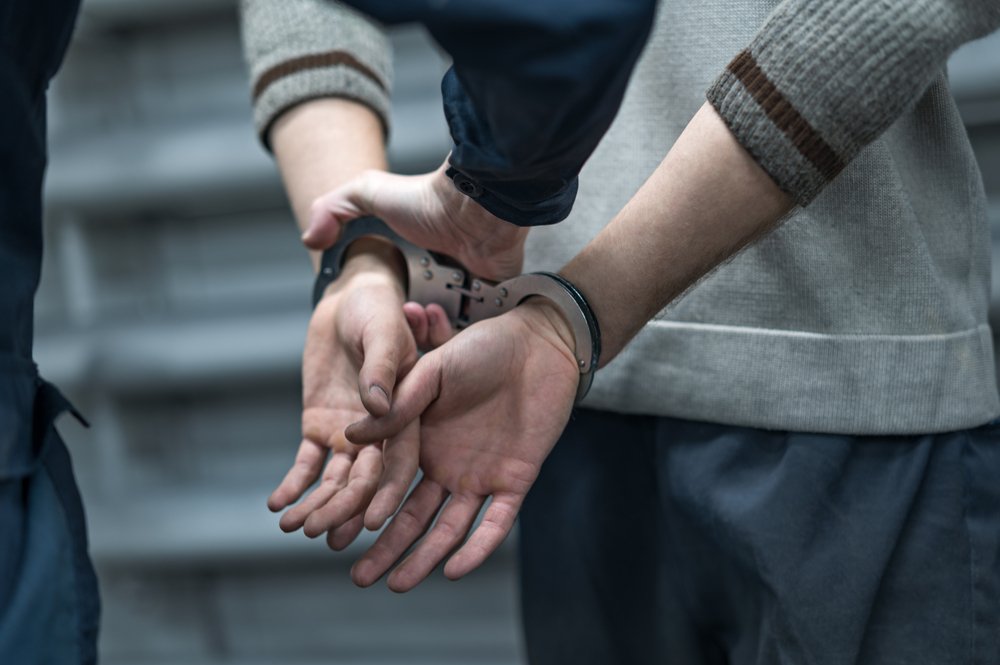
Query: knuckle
x,y
383,369
447,532
408,520
318,206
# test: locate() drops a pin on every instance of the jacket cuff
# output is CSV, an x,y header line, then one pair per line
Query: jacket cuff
x,y
503,200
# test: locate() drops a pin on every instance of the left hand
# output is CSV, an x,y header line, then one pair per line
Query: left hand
x,y
357,344
491,403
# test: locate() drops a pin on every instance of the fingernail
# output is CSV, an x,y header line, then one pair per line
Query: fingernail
x,y
377,391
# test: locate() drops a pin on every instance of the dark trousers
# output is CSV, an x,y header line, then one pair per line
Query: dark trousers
x,y
656,540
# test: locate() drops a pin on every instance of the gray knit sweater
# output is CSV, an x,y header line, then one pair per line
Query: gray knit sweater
x,y
865,313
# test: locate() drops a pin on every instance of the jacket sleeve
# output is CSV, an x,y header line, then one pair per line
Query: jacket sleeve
x,y
824,78
298,50
533,88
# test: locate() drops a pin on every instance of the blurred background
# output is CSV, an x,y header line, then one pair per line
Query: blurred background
x,y
172,311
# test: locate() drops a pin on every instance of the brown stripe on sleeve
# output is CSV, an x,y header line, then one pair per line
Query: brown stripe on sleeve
x,y
804,137
312,61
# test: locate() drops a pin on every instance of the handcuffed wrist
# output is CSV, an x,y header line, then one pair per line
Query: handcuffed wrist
x,y
467,299
554,318
375,254
369,261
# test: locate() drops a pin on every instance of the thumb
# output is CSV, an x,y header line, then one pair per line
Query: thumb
x,y
332,210
416,392
381,352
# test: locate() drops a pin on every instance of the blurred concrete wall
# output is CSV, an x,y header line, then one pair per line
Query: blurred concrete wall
x,y
173,310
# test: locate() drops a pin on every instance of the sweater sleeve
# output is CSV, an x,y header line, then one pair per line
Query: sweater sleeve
x,y
824,78
298,50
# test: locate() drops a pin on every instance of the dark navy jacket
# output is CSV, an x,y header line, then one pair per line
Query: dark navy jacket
x,y
49,601
33,38
534,87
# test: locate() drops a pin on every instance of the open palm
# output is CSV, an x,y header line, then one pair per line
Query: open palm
x,y
357,342
491,404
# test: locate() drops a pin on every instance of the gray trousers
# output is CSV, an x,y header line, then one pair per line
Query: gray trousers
x,y
656,540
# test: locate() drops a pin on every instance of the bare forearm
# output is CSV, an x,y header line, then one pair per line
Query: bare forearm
x,y
320,145
705,201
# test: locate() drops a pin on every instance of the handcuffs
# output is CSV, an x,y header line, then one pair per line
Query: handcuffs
x,y
467,299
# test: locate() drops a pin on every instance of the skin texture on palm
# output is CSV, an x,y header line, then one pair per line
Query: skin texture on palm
x,y
357,338
357,342
491,404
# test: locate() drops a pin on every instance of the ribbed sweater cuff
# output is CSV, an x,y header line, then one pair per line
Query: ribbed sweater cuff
x,y
823,78
293,85
299,50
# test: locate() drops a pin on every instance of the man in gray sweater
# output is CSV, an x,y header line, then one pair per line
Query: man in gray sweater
x,y
785,460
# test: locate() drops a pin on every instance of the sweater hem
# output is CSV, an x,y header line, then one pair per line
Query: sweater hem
x,y
860,384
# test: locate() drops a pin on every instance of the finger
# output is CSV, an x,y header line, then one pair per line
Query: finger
x,y
448,533
334,209
334,477
381,348
339,538
405,528
491,532
400,457
306,468
350,500
420,387
416,318
439,328
430,326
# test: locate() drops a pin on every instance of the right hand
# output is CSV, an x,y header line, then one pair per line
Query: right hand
x,y
491,403
428,211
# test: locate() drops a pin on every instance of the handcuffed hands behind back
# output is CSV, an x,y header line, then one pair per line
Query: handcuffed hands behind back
x,y
486,407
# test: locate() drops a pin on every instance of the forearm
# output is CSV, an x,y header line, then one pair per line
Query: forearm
x,y
321,77
321,144
706,200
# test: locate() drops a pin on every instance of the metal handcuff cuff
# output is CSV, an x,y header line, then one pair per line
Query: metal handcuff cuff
x,y
435,278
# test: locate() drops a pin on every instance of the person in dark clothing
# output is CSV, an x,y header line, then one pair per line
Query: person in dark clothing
x,y
49,604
